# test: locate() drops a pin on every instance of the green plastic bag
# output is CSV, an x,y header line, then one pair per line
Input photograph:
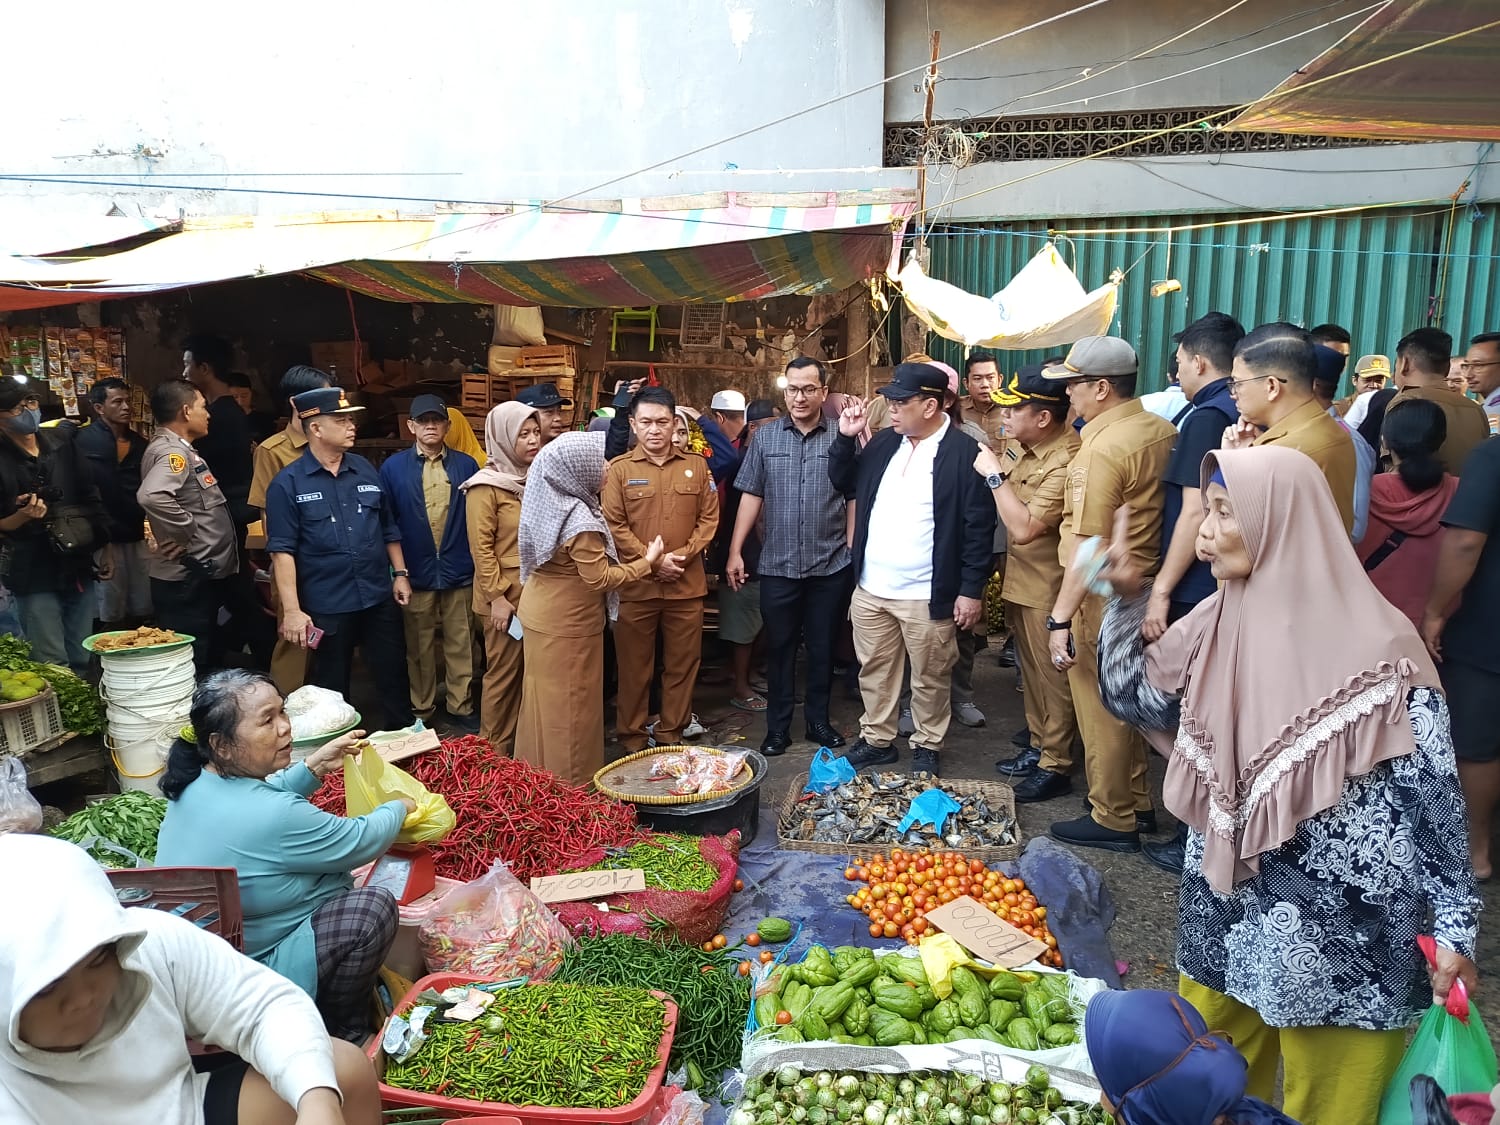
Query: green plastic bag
x,y
1452,1046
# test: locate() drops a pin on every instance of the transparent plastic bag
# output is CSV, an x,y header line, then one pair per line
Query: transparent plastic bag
x,y
494,928
370,781
19,810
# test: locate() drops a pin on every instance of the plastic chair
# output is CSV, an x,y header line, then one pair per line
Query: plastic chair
x,y
647,314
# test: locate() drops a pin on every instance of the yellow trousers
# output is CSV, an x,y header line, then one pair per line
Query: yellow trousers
x,y
1333,1075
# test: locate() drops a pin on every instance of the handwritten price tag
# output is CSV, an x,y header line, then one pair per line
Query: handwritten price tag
x,y
976,929
577,885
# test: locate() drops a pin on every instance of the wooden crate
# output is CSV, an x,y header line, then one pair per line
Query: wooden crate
x,y
549,355
340,358
481,392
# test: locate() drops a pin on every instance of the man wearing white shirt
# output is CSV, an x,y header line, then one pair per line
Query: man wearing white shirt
x,y
923,551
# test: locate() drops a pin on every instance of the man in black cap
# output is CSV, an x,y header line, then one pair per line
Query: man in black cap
x,y
336,556
423,485
551,406
924,530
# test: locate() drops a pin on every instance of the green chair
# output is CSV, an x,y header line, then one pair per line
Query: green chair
x,y
647,314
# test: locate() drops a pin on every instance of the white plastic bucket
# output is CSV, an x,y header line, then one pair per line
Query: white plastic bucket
x,y
148,697
140,757
160,674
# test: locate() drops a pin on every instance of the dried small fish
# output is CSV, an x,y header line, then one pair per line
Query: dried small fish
x,y
869,810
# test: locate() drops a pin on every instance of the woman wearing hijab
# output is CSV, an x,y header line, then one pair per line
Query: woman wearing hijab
x,y
570,575
492,500
100,1002
1158,1064
1314,770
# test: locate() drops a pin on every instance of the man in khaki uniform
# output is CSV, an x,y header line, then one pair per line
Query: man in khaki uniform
x,y
1121,460
288,661
982,378
1422,372
1028,481
1274,370
656,490
197,547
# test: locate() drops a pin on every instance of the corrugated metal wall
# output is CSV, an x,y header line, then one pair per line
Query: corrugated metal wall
x,y
1375,273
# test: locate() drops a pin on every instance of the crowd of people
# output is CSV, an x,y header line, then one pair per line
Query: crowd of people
x,y
1330,760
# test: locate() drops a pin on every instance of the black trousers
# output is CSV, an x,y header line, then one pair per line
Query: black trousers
x,y
191,605
379,633
806,611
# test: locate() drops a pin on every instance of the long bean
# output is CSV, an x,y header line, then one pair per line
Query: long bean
x,y
545,1045
712,999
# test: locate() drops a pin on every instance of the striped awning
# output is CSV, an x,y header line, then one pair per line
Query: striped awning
x,y
718,247
1416,70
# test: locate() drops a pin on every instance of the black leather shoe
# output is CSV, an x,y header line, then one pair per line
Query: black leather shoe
x,y
823,734
1021,740
1042,785
469,724
1022,764
1086,833
775,743
862,754
1146,821
1008,653
923,761
1169,856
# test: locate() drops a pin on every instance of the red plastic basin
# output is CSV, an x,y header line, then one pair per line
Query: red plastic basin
x,y
636,1110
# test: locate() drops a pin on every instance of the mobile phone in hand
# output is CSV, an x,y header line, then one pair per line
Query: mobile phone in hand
x,y
314,636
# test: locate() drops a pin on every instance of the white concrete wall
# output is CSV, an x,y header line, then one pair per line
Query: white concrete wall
x,y
385,104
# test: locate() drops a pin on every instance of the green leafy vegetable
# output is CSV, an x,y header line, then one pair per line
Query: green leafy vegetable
x,y
129,820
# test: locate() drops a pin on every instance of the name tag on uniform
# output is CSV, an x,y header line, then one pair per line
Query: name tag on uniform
x,y
636,483
369,488
305,497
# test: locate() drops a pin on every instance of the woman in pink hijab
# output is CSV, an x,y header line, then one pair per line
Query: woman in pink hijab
x,y
1313,767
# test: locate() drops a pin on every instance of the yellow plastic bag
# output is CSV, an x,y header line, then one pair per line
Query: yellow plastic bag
x,y
370,781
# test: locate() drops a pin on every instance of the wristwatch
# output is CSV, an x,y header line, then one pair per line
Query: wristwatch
x,y
400,573
1055,626
994,480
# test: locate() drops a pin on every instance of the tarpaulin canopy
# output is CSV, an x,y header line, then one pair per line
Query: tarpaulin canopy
x,y
1043,306
720,247
1415,70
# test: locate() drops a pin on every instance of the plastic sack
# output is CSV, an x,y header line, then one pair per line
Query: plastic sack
x,y
827,772
370,781
314,711
494,928
19,810
1451,1046
519,325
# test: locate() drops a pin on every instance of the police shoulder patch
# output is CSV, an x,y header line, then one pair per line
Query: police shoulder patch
x,y
176,463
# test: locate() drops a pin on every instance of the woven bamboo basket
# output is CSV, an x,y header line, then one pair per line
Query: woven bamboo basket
x,y
632,769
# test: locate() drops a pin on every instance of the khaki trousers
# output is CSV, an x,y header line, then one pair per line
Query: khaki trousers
x,y
680,622
1114,755
888,633
500,694
1048,699
426,613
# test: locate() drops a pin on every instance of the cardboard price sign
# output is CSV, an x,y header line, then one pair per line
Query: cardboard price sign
x,y
578,885
969,923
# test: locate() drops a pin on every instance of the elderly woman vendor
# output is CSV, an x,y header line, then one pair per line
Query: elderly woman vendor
x,y
233,802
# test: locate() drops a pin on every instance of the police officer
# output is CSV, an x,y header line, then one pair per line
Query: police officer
x,y
657,490
197,554
336,557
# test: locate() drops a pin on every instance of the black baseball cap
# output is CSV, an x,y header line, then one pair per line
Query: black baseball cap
x,y
323,400
912,379
1030,385
423,405
759,410
543,396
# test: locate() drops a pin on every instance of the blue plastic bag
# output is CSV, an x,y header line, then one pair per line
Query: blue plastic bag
x,y
933,807
827,772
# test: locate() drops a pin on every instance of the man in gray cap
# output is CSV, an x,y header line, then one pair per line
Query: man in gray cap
x,y
1121,461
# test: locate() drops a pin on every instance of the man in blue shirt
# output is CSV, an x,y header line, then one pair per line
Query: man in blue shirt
x,y
423,485
336,556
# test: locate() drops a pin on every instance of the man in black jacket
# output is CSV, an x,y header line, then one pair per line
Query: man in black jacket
x,y
113,451
924,531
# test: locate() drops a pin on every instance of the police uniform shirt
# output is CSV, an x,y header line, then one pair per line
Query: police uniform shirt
x,y
1038,476
1121,460
183,501
677,500
336,529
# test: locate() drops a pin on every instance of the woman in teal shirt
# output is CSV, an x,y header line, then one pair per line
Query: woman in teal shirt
x,y
235,800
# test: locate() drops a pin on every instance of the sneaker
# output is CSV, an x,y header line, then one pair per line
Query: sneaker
x,y
906,726
1169,856
694,728
863,754
925,761
969,715
1042,785
1085,832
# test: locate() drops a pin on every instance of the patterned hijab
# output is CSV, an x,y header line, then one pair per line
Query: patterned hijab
x,y
1275,719
502,426
562,501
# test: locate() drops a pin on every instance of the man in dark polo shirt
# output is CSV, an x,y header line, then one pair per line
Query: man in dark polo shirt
x,y
336,555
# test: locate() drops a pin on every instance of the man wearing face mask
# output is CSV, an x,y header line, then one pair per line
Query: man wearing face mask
x,y
51,521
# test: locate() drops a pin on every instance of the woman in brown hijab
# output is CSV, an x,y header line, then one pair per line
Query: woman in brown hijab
x,y
512,436
1313,767
571,576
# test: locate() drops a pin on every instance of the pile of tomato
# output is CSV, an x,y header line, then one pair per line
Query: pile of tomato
x,y
901,887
